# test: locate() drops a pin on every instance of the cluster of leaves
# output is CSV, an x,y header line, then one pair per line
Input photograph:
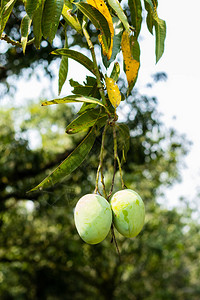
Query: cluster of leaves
x,y
115,34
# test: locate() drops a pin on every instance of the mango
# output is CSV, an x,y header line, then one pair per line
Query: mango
x,y
93,218
128,212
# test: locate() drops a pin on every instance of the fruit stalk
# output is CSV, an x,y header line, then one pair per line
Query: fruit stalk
x,y
100,167
116,157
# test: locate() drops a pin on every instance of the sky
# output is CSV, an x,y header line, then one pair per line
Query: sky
x,y
178,97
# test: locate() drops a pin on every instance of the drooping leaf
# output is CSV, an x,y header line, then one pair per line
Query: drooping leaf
x,y
135,48
136,15
74,98
115,72
118,30
119,12
72,20
25,28
37,23
149,19
103,9
160,29
86,120
113,92
50,18
79,57
6,9
30,7
99,21
131,64
123,137
63,70
71,163
153,21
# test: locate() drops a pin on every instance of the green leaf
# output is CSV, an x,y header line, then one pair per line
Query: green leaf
x,y
70,19
79,57
63,70
6,9
88,89
119,12
115,72
74,98
118,30
136,15
30,7
50,18
71,163
135,48
123,138
149,19
160,28
86,120
86,107
98,20
37,23
25,28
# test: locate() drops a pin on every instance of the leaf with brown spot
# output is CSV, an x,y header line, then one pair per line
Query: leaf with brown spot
x,y
131,64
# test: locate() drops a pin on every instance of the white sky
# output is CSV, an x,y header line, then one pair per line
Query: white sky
x,y
179,96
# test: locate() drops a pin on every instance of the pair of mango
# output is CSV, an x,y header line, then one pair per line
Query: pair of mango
x,y
93,215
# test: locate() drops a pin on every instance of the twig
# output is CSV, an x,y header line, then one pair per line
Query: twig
x,y
96,69
115,241
6,38
116,155
115,163
100,167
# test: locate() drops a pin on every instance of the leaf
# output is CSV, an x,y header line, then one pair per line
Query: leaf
x,y
88,89
74,98
131,65
71,163
119,12
71,19
99,22
25,28
136,15
79,57
115,72
113,92
86,107
6,9
63,70
149,19
160,28
50,18
86,120
123,140
30,7
118,30
103,9
37,23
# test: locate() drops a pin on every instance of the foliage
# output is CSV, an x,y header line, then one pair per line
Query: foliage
x,y
45,17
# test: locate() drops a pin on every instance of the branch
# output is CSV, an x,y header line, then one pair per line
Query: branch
x,y
6,38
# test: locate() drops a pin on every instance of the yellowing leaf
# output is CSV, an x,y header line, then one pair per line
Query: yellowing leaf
x,y
113,92
102,7
131,64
